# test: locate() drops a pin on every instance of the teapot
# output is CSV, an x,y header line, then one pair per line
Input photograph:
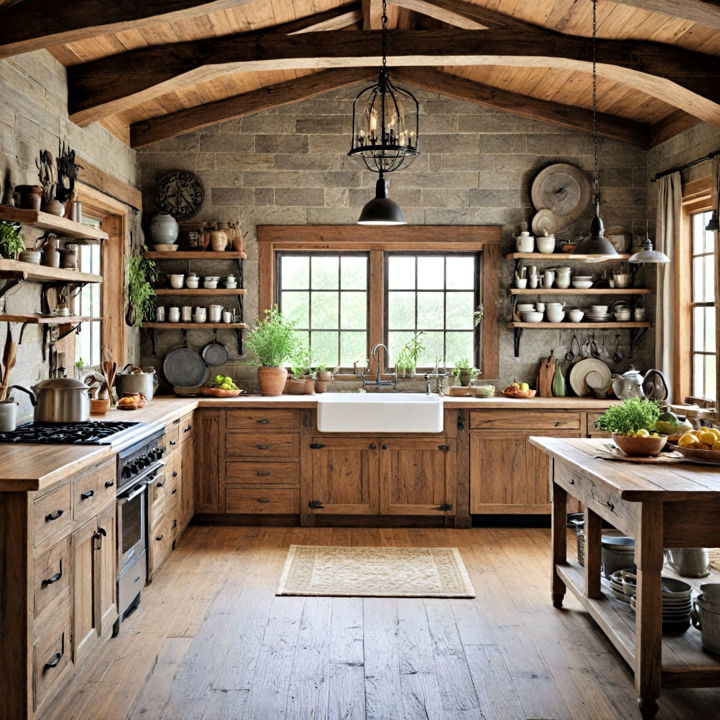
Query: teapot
x,y
630,383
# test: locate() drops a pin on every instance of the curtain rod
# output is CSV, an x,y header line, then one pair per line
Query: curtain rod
x,y
709,156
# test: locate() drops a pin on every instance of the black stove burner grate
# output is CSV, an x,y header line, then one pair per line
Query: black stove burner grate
x,y
80,433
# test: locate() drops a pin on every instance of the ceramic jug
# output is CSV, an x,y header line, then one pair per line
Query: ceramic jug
x,y
164,229
525,242
563,277
548,278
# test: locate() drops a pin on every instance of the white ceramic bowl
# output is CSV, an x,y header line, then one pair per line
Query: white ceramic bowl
x,y
582,284
210,284
598,309
176,281
525,307
531,316
582,277
576,315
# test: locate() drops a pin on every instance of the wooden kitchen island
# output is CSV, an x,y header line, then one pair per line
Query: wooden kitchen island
x,y
661,506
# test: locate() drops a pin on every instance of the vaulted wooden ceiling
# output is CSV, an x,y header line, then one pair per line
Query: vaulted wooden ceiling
x,y
157,68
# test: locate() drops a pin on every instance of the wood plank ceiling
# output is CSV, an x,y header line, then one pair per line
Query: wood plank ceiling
x,y
536,60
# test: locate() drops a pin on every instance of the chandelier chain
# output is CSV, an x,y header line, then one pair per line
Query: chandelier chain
x,y
596,171
384,34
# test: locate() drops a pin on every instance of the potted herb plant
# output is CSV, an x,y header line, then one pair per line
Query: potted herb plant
x,y
11,242
141,274
273,342
302,381
632,425
323,377
464,372
407,358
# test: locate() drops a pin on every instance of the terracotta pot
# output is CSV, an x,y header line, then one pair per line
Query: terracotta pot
x,y
30,196
272,380
218,240
293,386
238,242
54,207
309,388
321,386
324,376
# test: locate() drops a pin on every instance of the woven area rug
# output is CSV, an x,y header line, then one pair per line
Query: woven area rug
x,y
375,572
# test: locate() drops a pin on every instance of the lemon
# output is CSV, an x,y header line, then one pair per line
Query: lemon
x,y
706,436
630,433
688,440
716,445
715,432
642,432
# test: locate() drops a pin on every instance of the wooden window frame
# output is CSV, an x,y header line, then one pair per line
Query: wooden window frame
x,y
697,196
376,241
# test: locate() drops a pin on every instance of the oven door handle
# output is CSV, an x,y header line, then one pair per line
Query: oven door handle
x,y
137,490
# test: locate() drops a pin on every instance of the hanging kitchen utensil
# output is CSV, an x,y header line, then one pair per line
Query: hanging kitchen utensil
x,y
604,352
571,354
655,386
594,348
545,375
215,353
184,367
617,355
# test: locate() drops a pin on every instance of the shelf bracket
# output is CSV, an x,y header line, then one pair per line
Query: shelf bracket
x,y
22,332
10,284
518,338
153,340
241,273
239,335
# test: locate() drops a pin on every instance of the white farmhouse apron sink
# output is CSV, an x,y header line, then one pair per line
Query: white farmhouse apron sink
x,y
379,413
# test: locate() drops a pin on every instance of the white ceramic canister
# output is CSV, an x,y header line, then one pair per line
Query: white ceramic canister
x,y
187,313
227,316
200,315
8,415
160,313
215,313
164,228
563,277
524,242
545,243
174,314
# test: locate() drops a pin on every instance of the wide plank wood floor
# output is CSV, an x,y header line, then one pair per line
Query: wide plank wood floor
x,y
212,642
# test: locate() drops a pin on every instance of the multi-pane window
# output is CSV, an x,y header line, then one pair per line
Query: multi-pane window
x,y
89,339
435,294
704,355
327,297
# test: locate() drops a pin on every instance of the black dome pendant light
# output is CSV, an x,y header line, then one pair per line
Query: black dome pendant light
x,y
385,135
597,243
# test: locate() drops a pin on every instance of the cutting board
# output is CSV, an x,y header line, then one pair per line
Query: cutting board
x,y
545,376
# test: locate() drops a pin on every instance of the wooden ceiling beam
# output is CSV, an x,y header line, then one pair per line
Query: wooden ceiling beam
x,y
371,14
567,116
36,24
465,15
703,12
335,18
679,77
163,127
675,123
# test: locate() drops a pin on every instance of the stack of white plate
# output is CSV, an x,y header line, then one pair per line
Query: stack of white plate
x,y
595,317
676,604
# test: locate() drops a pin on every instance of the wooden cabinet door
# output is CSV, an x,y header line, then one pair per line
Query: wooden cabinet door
x,y
187,484
106,570
417,476
344,476
208,439
86,622
507,474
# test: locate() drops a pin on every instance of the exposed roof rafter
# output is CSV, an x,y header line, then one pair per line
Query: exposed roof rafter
x,y
703,12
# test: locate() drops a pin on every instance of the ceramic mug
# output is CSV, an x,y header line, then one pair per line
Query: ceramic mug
x,y
174,314
200,315
215,313
227,316
176,281
160,313
187,313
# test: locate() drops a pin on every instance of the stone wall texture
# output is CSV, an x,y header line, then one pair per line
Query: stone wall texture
x,y
289,166
33,116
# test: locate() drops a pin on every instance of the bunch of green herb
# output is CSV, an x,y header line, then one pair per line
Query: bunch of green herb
x,y
141,274
300,362
11,242
634,414
273,340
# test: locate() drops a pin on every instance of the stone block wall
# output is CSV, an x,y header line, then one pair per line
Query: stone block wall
x,y
290,166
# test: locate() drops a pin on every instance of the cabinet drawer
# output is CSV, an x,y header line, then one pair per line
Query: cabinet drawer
x,y
52,514
93,490
592,431
51,574
186,428
160,543
173,466
262,420
521,420
262,473
262,500
51,653
171,440
273,446
159,498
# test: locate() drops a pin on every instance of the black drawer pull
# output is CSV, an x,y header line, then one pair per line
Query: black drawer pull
x,y
174,473
187,429
160,483
87,494
264,421
109,483
51,580
316,446
262,446
53,516
262,500
160,537
444,448
373,446
262,473
174,490
172,443
384,446
54,661
315,505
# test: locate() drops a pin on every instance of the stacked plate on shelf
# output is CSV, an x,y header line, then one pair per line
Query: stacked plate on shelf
x,y
619,585
676,603
598,317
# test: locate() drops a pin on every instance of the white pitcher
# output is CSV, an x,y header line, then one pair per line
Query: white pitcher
x,y
563,277
548,278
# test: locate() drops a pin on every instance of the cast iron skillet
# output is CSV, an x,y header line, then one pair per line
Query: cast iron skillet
x,y
184,367
215,353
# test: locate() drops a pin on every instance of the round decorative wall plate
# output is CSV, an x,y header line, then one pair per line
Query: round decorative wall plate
x,y
563,189
545,221
180,193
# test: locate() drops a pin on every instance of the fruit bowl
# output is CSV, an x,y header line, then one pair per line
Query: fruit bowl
x,y
219,392
640,446
519,393
704,456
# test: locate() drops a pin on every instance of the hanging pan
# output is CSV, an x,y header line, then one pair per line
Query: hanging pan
x,y
184,367
215,353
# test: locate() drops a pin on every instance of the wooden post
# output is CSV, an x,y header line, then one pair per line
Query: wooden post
x,y
559,538
593,553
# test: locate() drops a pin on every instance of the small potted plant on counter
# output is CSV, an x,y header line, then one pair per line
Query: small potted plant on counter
x,y
11,242
632,425
273,342
464,372
302,380
407,359
323,377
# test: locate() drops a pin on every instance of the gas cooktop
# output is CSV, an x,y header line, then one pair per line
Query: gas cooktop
x,y
77,433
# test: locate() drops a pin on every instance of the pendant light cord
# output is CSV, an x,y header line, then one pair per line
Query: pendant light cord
x,y
596,170
384,34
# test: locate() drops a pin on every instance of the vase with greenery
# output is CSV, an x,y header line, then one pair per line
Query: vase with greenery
x,y
11,242
140,276
273,342
464,372
302,381
407,359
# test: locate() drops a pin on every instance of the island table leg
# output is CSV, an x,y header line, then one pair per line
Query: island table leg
x,y
559,541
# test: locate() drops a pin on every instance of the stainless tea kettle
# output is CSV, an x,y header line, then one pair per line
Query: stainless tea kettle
x,y
633,384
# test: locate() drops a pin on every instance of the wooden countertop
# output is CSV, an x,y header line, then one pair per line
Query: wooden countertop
x,y
36,467
634,481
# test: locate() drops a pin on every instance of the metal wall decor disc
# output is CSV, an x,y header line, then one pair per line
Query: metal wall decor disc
x,y
563,189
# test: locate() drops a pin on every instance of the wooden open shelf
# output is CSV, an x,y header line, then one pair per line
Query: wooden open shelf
x,y
195,255
46,221
193,326
37,319
577,291
199,291
42,273
569,257
578,325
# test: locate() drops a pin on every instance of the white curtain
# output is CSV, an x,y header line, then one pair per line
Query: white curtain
x,y
667,228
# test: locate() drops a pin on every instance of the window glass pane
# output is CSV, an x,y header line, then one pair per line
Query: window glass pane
x,y
353,310
698,233
295,272
304,336
460,273
353,348
430,310
710,330
401,310
433,342
431,272
698,329
353,272
699,273
296,306
324,309
710,377
401,272
460,309
709,280
325,272
88,304
698,384
460,347
396,341
324,347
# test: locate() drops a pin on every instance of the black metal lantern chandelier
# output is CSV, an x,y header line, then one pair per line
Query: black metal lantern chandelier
x,y
384,134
